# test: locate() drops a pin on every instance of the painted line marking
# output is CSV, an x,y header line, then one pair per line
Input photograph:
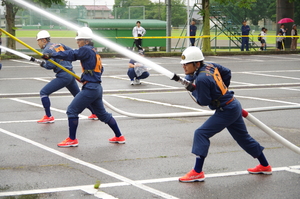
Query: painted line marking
x,y
89,165
27,62
277,76
267,100
269,71
238,59
60,119
159,103
290,89
43,80
127,79
281,57
40,106
25,78
90,188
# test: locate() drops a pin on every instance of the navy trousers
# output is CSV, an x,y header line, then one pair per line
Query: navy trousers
x,y
230,118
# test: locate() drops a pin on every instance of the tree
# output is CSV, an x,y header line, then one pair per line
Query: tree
x,y
285,9
206,15
152,10
11,11
178,10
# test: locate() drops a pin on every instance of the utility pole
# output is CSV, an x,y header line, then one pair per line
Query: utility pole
x,y
188,23
169,28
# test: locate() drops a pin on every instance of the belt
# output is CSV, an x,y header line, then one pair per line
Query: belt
x,y
228,102
85,82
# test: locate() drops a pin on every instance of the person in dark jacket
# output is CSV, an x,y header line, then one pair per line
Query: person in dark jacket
x,y
193,30
245,36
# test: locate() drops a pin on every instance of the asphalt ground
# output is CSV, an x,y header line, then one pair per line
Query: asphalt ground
x,y
157,151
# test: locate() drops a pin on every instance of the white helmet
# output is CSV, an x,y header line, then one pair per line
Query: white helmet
x,y
42,35
191,54
84,33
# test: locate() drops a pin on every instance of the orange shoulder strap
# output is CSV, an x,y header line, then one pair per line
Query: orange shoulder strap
x,y
218,79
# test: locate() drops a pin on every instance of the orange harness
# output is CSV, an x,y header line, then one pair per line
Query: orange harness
x,y
218,79
98,66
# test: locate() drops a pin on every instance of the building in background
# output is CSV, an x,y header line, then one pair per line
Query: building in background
x,y
97,12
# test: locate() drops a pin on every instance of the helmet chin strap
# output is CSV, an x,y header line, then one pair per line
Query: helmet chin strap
x,y
44,43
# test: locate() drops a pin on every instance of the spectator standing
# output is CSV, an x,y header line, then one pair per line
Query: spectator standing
x,y
266,31
263,39
193,30
294,34
283,32
137,32
279,41
245,36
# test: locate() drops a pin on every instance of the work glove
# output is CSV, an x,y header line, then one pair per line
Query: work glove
x,y
187,84
47,56
42,64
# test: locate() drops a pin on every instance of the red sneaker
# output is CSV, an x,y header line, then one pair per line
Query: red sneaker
x,y
193,176
68,143
120,140
46,120
93,117
259,169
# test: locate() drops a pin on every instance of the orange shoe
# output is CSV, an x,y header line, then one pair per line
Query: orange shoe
x,y
120,140
46,120
68,143
259,169
93,117
193,176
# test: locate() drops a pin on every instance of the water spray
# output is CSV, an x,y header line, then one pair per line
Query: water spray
x,y
120,49
22,55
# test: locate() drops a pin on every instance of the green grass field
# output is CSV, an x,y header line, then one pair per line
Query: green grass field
x,y
53,33
175,33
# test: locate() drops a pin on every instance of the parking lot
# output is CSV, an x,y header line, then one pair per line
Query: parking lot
x,y
157,150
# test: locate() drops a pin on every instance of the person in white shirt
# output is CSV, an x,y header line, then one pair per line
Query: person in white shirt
x,y
137,32
263,39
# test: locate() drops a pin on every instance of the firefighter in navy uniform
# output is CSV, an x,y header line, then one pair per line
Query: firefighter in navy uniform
x,y
211,82
63,79
91,92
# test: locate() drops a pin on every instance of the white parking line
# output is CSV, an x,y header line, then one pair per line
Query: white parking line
x,y
160,103
267,100
89,165
90,188
267,75
146,82
27,62
40,106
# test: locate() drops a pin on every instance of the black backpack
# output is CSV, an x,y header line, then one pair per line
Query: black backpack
x,y
259,37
